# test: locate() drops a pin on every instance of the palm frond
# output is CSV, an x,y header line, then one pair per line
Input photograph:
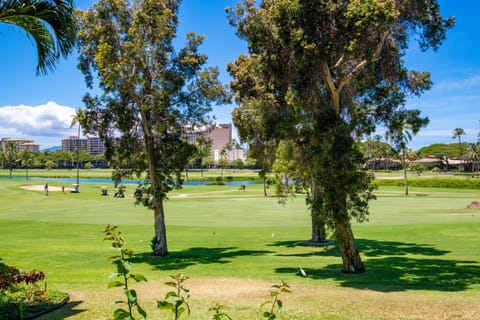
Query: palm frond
x,y
50,23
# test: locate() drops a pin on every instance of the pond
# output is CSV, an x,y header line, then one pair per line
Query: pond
x,y
110,181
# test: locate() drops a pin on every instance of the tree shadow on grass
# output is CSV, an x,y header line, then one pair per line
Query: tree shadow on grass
x,y
192,256
396,266
68,310
369,248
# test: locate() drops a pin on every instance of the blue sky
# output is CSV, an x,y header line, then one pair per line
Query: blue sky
x,y
41,107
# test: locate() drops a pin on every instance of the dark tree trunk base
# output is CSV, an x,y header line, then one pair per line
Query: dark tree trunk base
x,y
312,243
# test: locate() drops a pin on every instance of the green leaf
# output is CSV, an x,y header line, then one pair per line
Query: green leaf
x,y
274,293
121,314
115,283
141,311
131,296
128,252
171,284
165,305
180,311
138,277
126,265
113,275
171,294
279,304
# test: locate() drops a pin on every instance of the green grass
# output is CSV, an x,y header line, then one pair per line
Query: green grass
x,y
423,248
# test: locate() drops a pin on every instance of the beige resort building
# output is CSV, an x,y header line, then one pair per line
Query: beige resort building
x,y
20,144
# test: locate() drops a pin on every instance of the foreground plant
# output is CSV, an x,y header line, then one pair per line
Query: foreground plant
x,y
28,283
275,303
219,314
123,275
176,301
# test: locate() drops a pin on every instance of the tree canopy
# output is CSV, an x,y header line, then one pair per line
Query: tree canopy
x,y
324,74
149,92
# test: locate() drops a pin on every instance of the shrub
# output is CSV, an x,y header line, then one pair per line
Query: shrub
x,y
451,183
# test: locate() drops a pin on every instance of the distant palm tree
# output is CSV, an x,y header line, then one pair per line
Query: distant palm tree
x,y
26,160
11,151
473,154
223,159
204,147
457,134
79,116
404,126
50,23
400,136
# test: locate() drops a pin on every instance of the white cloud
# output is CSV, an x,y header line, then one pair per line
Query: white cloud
x,y
49,119
49,122
472,82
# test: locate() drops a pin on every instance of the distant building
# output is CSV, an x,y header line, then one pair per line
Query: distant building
x,y
221,136
20,144
95,146
74,143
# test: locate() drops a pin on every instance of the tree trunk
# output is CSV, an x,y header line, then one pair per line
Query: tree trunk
x,y
160,246
352,263
264,186
318,215
405,172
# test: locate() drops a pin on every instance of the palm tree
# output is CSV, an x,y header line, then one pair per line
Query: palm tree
x,y
223,160
457,134
50,23
77,119
403,127
204,147
473,154
11,151
26,160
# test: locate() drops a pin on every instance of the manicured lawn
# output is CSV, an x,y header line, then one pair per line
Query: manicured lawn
x,y
422,252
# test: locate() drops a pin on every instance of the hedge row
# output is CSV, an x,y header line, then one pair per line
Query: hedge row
x,y
452,183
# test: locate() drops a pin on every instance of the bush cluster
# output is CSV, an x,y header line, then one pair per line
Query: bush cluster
x,y
17,289
451,183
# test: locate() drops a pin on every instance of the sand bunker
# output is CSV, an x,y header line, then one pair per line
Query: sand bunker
x,y
474,205
40,187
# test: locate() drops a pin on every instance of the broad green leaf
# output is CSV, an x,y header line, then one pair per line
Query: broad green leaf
x,y
279,304
131,295
171,284
115,283
138,277
180,311
141,311
121,314
164,305
171,294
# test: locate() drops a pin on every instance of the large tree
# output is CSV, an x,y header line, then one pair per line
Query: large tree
x,y
150,92
50,23
323,73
